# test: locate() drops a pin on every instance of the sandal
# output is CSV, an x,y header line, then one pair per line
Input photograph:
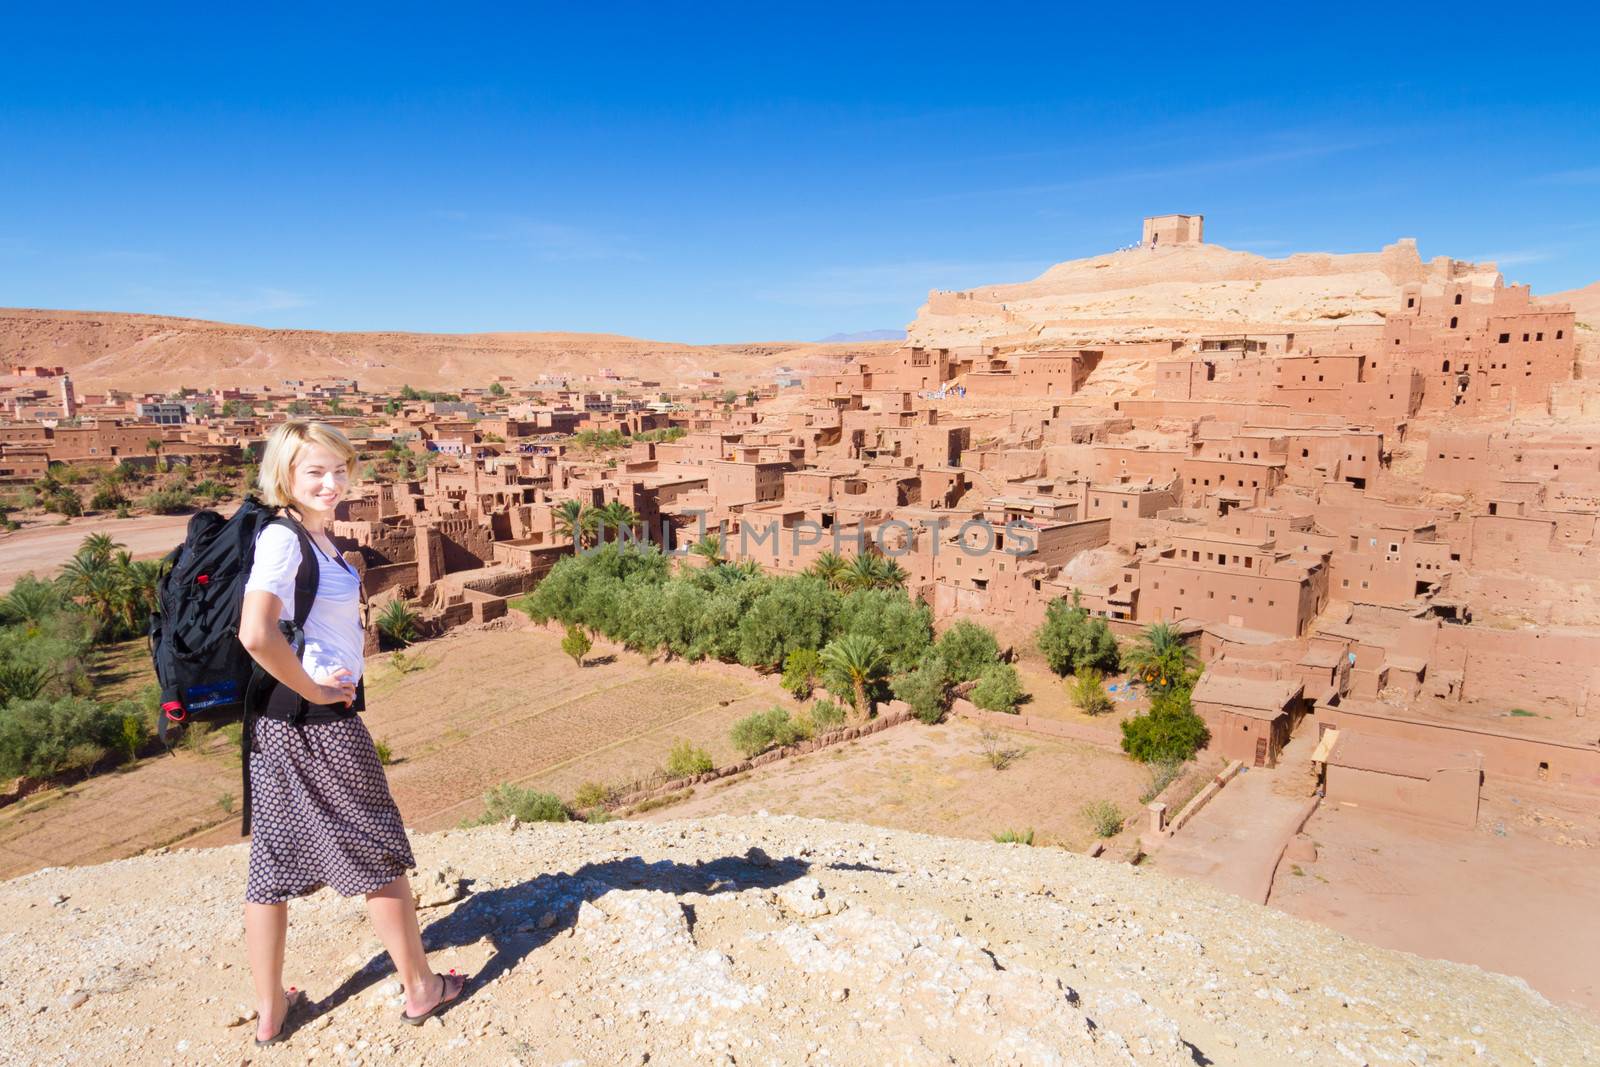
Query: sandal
x,y
297,999
418,1020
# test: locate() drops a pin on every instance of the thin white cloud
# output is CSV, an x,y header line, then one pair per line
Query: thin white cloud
x,y
1581,176
557,242
893,284
1513,258
204,302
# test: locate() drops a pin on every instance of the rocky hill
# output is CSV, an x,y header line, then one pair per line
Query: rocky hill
x,y
152,352
1185,291
749,940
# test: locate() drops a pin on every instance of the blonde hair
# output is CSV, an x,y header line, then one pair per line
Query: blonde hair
x,y
276,474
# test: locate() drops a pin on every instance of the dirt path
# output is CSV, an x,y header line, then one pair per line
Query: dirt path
x,y
1514,895
1235,841
42,549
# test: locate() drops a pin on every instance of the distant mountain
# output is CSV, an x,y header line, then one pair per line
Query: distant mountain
x,y
139,352
864,335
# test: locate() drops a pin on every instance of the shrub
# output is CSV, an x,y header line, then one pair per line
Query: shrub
x,y
926,689
968,649
408,664
800,670
1072,639
998,689
686,761
196,735
397,624
591,795
576,644
172,500
225,802
1015,837
234,732
1169,731
754,734
385,753
997,751
506,800
63,502
42,737
1103,817
1089,692
827,715
1162,774
107,498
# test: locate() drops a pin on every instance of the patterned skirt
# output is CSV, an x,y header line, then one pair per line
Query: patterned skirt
x,y
322,814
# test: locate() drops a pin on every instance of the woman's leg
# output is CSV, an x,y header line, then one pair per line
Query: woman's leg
x,y
265,927
394,915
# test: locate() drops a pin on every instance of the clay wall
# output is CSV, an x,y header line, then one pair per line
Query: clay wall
x,y
1443,795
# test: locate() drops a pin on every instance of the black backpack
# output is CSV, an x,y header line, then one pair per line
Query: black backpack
x,y
203,670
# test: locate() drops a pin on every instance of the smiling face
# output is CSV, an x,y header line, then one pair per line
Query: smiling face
x,y
321,479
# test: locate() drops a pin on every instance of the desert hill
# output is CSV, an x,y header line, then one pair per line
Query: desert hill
x,y
747,939
157,352
1185,291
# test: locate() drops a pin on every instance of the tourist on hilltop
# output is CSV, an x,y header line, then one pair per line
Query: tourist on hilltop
x,y
317,797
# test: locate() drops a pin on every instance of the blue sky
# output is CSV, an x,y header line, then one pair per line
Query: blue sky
x,y
748,172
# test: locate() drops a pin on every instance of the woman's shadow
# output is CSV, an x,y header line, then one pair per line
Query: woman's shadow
x,y
518,919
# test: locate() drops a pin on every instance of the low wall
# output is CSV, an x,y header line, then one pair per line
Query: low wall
x,y
892,713
1036,724
1202,798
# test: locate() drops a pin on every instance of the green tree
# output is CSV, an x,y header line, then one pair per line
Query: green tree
x,y
857,664
800,669
496,389
1169,732
1071,638
968,649
998,689
791,613
904,627
926,689
616,518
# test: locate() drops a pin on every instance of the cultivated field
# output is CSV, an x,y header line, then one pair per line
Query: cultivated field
x,y
489,707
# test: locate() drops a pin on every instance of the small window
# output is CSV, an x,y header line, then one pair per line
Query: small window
x,y
1458,298
1453,321
1505,338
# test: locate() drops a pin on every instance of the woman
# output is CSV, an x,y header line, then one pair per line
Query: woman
x,y
319,803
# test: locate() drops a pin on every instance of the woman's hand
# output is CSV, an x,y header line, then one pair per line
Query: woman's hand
x,y
338,688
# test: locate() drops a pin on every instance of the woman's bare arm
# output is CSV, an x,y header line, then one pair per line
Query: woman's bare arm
x,y
260,636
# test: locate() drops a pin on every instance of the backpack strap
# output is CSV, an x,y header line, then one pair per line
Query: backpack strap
x,y
262,684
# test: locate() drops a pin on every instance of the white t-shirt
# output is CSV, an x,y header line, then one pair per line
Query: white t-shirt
x,y
334,637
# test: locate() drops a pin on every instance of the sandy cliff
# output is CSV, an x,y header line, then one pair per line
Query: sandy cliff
x,y
747,940
140,352
1185,291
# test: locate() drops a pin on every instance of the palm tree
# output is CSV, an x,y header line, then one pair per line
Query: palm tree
x,y
617,516
831,568
29,603
99,546
575,521
891,575
1160,658
398,623
708,548
860,661
861,572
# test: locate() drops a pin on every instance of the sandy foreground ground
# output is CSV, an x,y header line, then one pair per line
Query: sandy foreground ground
x,y
748,940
